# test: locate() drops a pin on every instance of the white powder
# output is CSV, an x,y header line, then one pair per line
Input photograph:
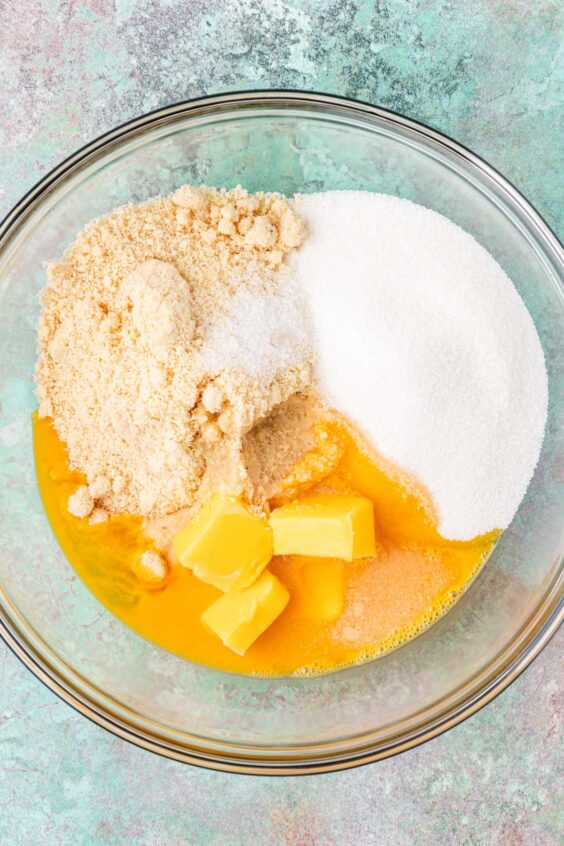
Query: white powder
x,y
265,331
423,341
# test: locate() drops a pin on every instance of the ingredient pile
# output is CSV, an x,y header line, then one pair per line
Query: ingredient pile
x,y
282,436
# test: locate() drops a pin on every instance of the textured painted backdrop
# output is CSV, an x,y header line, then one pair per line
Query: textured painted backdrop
x,y
488,73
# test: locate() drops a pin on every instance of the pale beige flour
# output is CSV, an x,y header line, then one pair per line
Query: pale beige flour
x,y
118,368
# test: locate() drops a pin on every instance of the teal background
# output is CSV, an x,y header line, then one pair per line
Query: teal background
x,y
487,72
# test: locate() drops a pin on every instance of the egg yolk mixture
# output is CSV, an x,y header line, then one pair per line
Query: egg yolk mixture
x,y
339,612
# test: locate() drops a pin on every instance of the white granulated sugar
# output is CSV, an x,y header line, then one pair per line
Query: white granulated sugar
x,y
423,341
265,331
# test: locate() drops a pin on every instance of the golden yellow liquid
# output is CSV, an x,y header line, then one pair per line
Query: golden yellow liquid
x,y
414,578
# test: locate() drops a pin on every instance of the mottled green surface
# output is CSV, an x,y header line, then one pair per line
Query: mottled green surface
x,y
484,72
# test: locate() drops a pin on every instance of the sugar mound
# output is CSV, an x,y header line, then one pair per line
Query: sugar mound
x,y
264,331
424,342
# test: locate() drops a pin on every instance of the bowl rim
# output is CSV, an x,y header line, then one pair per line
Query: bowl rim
x,y
298,760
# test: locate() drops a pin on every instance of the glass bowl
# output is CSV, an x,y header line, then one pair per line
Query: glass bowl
x,y
275,141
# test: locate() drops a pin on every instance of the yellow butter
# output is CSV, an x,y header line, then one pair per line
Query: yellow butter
x,y
240,617
325,525
225,545
322,594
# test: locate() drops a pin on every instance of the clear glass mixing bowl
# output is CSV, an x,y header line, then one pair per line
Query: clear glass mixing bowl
x,y
275,141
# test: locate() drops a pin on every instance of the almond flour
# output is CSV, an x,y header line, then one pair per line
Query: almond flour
x,y
126,313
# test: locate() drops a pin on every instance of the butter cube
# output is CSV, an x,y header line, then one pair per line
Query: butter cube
x,y
325,525
240,617
323,589
225,545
